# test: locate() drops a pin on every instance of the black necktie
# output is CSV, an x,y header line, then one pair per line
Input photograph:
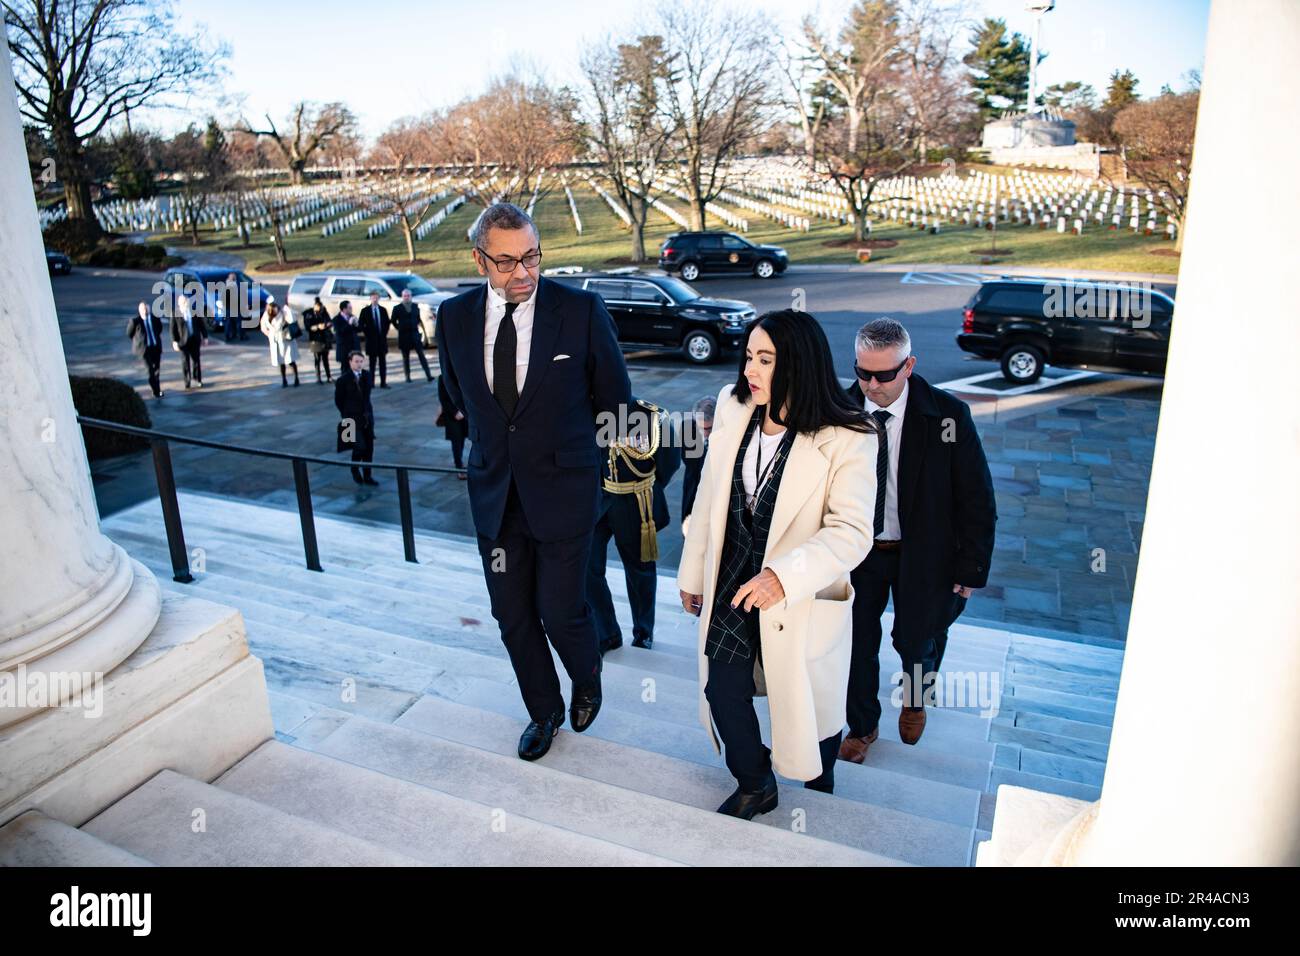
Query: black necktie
x,y
503,363
882,469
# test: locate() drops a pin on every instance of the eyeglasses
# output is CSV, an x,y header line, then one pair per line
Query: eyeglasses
x,y
886,376
509,263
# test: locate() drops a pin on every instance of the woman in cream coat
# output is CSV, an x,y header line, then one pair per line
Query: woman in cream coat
x,y
783,513
275,324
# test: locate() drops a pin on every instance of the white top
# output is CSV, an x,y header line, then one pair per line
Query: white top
x,y
894,436
523,318
759,453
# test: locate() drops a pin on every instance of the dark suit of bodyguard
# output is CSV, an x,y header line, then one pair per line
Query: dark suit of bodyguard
x,y
534,467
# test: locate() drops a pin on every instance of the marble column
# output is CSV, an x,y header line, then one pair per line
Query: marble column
x,y
1204,767
69,605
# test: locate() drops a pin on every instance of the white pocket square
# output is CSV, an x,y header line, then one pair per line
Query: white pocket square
x,y
558,357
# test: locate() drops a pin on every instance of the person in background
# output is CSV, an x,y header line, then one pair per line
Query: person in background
x,y
356,429
278,325
693,456
145,332
933,530
189,333
410,334
454,425
375,325
347,335
633,509
319,337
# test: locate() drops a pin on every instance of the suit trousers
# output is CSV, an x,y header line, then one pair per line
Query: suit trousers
x,y
152,361
874,580
641,576
406,361
380,359
730,693
190,361
538,592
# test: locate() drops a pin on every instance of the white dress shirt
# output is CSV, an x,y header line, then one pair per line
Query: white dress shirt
x,y
757,456
894,435
523,318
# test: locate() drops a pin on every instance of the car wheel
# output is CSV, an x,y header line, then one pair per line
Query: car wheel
x,y
700,347
690,271
764,269
1022,364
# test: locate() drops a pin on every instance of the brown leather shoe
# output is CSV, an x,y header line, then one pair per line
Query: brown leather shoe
x,y
854,749
911,724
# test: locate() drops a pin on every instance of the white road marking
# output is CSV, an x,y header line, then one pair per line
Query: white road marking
x,y
971,383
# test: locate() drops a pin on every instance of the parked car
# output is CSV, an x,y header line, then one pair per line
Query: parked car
x,y
209,293
58,263
663,313
356,285
1027,325
692,254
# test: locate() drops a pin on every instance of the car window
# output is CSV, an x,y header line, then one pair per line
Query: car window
x,y
417,285
678,290
310,286
1027,302
374,285
731,242
710,242
348,286
644,292
608,289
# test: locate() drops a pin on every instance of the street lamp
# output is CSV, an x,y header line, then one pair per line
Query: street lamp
x,y
1037,8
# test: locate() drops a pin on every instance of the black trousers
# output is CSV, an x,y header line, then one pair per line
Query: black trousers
x,y
190,361
457,449
322,361
538,592
380,359
874,580
640,575
152,361
730,693
363,449
424,362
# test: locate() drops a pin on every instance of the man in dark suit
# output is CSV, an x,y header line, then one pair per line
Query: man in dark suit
x,y
633,509
145,332
347,335
189,333
410,334
356,430
533,363
374,325
934,520
693,456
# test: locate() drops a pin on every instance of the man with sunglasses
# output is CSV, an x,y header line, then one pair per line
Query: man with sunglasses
x,y
532,363
933,540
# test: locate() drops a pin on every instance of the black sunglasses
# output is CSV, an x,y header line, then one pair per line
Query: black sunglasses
x,y
887,376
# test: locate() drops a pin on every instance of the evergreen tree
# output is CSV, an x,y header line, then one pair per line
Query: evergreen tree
x,y
999,68
1121,92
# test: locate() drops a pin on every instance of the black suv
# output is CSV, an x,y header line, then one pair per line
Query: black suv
x,y
1106,327
695,253
662,313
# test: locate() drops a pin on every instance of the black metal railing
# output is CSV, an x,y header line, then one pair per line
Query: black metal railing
x,y
159,442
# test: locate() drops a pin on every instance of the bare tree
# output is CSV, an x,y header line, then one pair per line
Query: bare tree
x,y
928,69
310,129
861,63
197,160
80,64
402,144
718,98
1157,136
626,131
804,92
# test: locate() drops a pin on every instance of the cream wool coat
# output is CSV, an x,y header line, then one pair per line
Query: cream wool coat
x,y
821,529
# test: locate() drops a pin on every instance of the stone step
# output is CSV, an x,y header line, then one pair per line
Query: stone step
x,y
1003,730
158,821
890,832
33,839
614,814
1080,730
1034,781
1059,704
430,825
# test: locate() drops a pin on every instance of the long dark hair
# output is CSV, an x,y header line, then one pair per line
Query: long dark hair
x,y
804,378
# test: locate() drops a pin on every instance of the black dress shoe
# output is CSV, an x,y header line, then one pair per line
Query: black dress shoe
x,y
537,737
585,705
611,644
369,481
746,805
646,642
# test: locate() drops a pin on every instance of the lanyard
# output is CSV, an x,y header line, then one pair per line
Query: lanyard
x,y
761,477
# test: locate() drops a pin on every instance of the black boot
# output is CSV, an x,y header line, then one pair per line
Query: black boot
x,y
295,374
748,804
284,378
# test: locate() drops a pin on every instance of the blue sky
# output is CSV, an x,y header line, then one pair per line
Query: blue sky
x,y
391,58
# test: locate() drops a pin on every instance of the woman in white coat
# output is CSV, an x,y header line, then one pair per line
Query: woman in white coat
x,y
783,513
277,324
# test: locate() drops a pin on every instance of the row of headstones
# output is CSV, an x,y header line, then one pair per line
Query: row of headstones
x,y
789,220
573,208
613,203
437,218
411,202
726,215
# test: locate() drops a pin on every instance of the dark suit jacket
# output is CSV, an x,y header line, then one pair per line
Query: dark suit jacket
x,y
409,331
946,507
139,340
182,336
549,447
375,328
451,426
347,338
693,466
352,399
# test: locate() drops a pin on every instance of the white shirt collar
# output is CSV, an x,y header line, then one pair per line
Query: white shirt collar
x,y
896,409
497,303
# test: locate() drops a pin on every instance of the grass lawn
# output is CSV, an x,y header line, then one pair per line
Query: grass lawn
x,y
605,243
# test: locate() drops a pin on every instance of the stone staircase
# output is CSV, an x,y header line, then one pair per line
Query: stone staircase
x,y
396,717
